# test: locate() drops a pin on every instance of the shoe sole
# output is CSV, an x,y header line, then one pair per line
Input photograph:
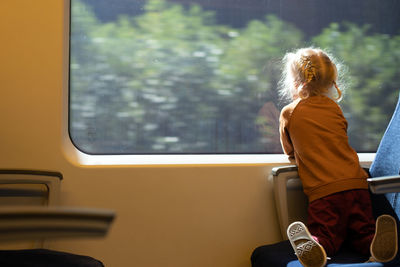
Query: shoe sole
x,y
384,245
307,250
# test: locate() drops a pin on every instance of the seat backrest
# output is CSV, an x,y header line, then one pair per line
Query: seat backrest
x,y
43,219
28,188
290,200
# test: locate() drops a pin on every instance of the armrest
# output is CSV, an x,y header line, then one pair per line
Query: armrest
x,y
384,184
52,180
285,178
43,222
24,223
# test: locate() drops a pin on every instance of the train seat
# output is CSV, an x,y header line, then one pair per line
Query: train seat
x,y
291,203
30,215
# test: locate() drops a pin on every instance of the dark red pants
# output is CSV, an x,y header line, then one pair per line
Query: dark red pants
x,y
342,216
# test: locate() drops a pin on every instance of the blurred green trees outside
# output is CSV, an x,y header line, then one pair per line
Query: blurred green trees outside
x,y
171,80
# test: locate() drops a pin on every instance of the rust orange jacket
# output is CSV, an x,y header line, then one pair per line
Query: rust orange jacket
x,y
313,132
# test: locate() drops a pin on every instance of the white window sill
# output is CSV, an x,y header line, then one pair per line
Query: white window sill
x,y
82,159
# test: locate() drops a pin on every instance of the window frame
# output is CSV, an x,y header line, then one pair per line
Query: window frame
x,y
76,156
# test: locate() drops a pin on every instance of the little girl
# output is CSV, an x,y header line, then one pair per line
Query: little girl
x,y
313,133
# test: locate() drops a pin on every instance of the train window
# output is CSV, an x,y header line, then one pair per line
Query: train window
x,y
196,77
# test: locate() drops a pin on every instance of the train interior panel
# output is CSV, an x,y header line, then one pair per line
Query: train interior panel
x,y
163,116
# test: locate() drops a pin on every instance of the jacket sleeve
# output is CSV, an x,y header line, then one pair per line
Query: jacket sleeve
x,y
286,142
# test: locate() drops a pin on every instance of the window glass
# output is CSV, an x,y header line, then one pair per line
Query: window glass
x,y
195,76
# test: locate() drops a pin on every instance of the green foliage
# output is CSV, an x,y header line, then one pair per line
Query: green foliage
x,y
171,80
373,63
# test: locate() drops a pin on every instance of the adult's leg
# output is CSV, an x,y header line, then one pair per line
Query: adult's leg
x,y
279,254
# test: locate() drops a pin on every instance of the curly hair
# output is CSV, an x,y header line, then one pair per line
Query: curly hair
x,y
308,72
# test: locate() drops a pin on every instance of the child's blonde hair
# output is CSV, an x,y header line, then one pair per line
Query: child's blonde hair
x,y
308,72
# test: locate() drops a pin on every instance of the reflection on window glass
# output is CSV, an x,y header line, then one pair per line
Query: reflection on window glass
x,y
195,76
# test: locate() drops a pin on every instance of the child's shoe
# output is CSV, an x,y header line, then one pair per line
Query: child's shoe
x,y
384,245
307,250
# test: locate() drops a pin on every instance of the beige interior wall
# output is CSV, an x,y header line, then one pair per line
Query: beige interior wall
x,y
167,215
